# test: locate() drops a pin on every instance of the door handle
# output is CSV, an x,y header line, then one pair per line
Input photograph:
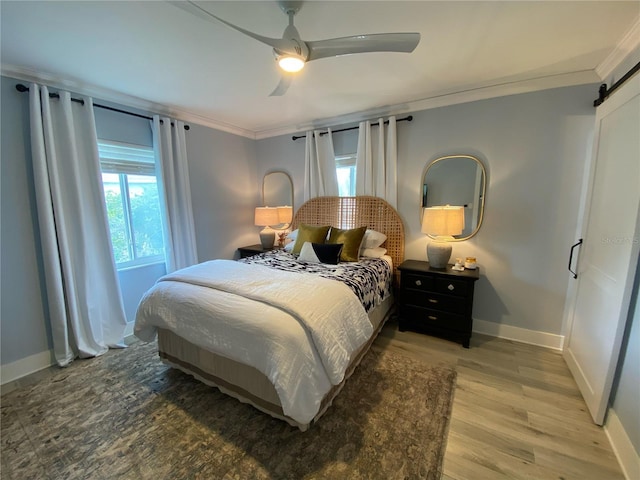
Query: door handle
x,y
579,242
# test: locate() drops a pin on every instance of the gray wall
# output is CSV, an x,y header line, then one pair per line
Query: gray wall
x,y
23,329
224,191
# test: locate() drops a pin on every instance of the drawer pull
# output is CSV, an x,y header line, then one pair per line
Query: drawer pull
x,y
433,300
418,282
431,317
451,287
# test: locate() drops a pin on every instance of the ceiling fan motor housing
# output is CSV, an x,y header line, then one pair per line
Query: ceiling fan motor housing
x,y
290,7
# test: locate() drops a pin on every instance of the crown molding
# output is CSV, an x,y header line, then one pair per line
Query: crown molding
x,y
107,95
627,44
443,99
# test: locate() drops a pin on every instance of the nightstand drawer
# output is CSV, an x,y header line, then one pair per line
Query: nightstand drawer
x,y
434,301
451,287
417,282
434,318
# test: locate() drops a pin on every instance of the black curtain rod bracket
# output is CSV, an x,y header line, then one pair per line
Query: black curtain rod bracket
x,y
386,122
23,88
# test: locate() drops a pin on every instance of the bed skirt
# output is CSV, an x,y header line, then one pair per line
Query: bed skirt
x,y
246,383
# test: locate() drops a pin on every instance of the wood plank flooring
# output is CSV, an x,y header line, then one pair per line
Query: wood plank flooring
x,y
517,412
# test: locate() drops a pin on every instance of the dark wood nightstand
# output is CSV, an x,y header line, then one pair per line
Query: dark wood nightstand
x,y
436,302
251,250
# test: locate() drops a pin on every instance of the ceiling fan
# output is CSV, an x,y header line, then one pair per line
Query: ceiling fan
x,y
291,52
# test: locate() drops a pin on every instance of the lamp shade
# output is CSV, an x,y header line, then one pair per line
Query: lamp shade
x,y
285,214
265,216
443,221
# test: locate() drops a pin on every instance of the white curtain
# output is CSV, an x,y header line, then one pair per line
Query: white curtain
x,y
85,308
376,161
173,179
320,177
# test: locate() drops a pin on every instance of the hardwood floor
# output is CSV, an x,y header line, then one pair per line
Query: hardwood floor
x,y
517,412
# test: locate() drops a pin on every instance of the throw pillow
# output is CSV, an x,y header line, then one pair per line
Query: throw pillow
x,y
320,253
351,239
309,233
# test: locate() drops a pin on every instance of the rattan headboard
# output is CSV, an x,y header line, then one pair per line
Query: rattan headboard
x,y
352,212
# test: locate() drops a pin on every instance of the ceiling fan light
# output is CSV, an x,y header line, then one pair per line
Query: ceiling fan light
x,y
291,63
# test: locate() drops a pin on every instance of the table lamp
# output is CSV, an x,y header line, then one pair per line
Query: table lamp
x,y
265,217
441,222
285,215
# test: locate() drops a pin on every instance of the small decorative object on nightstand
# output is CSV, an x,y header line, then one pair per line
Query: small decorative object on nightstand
x,y
251,250
438,302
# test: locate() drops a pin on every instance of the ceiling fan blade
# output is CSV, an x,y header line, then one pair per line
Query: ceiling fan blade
x,y
285,82
376,42
198,11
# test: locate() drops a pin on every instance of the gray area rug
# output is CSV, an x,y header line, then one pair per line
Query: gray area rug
x,y
127,415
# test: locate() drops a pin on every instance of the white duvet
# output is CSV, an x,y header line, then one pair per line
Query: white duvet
x,y
298,329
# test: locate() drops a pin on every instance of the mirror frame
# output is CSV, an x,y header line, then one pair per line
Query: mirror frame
x,y
483,191
290,185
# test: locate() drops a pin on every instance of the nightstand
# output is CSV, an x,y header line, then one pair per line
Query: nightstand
x,y
436,302
251,250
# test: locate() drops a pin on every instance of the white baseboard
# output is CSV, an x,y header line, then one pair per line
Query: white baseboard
x,y
622,446
509,332
26,366
39,361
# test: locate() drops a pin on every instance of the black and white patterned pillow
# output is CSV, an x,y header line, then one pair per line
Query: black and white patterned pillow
x,y
320,253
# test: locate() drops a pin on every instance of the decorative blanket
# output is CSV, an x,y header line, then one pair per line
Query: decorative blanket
x,y
238,310
370,279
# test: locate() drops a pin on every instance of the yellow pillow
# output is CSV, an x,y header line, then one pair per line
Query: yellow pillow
x,y
309,233
351,239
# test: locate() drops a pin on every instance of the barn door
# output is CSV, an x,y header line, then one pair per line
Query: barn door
x,y
608,256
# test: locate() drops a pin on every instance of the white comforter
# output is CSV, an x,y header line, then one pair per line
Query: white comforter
x,y
297,329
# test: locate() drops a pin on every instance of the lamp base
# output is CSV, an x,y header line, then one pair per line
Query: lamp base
x,y
267,238
438,254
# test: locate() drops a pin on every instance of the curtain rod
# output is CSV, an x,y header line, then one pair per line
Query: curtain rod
x,y
603,92
23,88
386,122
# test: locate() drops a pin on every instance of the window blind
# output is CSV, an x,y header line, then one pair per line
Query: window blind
x,y
116,157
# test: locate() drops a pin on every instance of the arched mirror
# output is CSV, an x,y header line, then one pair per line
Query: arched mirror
x,y
277,190
456,180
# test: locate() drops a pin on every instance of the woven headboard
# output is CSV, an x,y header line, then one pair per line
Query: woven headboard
x,y
353,212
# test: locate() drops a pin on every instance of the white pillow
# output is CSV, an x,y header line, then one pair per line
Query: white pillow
x,y
377,252
289,246
372,239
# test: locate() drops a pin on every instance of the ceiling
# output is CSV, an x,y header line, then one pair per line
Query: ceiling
x,y
154,55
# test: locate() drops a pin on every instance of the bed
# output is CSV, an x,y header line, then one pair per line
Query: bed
x,y
242,327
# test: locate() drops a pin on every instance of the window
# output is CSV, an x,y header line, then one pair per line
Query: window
x,y
133,205
346,173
